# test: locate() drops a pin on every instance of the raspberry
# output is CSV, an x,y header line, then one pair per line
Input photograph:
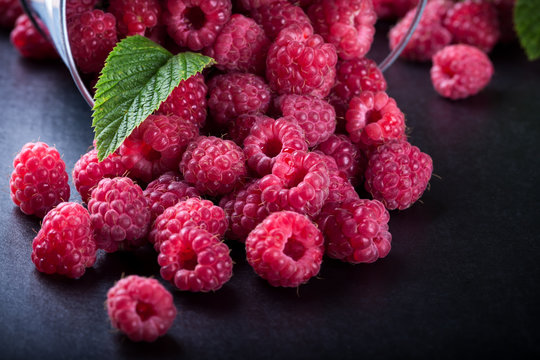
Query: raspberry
x,y
340,187
348,24
120,214
356,231
430,35
240,127
29,41
193,212
77,7
141,308
10,10
300,62
196,23
254,4
315,116
241,46
234,94
156,146
474,22
278,15
393,9
195,260
299,182
347,157
267,139
135,17
92,36
187,100
286,249
397,174
39,181
65,243
374,118
88,171
460,71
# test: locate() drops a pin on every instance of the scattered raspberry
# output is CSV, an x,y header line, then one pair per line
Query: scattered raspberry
x,y
474,22
356,231
120,214
346,155
268,138
340,187
156,146
278,15
65,244
397,174
254,4
196,23
234,94
39,181
135,16
300,62
141,308
77,7
505,9
286,249
460,71
348,24
29,41
240,127
195,260
393,9
10,10
92,36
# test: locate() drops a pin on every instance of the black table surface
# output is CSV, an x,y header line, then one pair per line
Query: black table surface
x,y
461,279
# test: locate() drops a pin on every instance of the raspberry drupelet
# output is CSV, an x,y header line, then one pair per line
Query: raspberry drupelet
x,y
135,17
77,7
278,15
29,42
340,188
254,4
239,129
347,156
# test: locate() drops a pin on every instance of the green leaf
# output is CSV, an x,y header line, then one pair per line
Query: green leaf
x,y
527,23
138,76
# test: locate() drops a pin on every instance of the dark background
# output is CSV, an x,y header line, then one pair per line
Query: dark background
x,y
461,280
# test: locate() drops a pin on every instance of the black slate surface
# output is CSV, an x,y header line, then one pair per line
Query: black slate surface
x,y
461,279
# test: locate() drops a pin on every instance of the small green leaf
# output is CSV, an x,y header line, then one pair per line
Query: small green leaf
x,y
138,76
527,23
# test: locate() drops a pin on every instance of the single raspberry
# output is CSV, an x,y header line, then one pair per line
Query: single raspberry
x,y
393,9
234,94
29,41
92,36
135,17
88,171
340,188
460,71
239,128
474,22
286,249
196,23
193,259
268,138
355,231
141,308
315,116
77,7
10,10
300,62
397,174
193,212
241,46
348,24
505,11
39,181
346,155
254,4
120,214
278,15
65,243
156,146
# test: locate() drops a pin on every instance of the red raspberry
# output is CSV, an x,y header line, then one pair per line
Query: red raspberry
x,y
135,17
505,9
196,23
286,249
300,62
315,116
39,181
141,308
254,4
340,187
268,138
77,7
239,128
195,260
10,10
92,36
474,22
397,174
156,146
88,171
356,231
120,214
214,166
65,244
299,182
278,15
193,212
348,24
241,46
460,71
29,41
234,94
346,155
393,9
